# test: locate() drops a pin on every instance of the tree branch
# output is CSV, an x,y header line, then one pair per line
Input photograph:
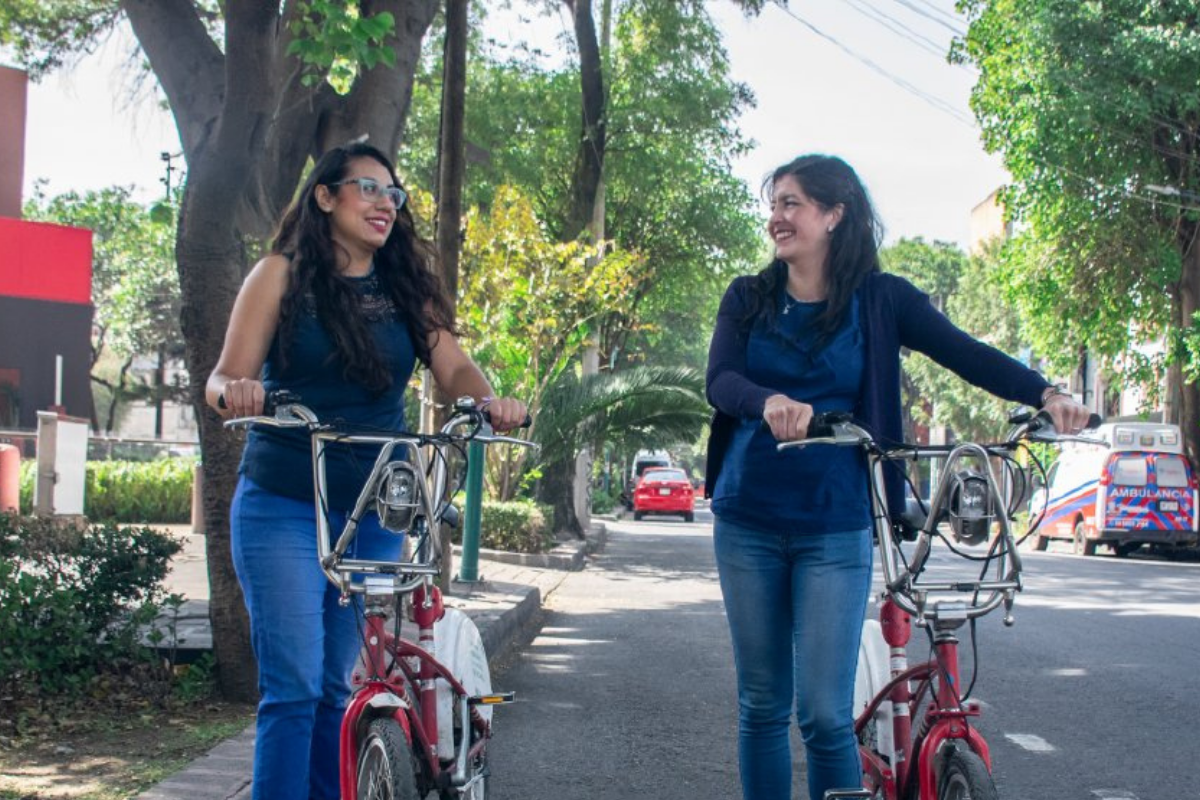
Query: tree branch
x,y
187,62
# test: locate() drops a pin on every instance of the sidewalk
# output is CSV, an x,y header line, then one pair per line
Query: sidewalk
x,y
504,604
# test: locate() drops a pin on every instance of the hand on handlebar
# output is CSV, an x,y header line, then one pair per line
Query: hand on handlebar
x,y
1067,414
243,397
506,414
787,418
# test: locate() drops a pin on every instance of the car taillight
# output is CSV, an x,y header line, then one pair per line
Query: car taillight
x,y
1193,483
1106,476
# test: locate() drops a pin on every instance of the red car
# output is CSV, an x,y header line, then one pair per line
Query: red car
x,y
664,491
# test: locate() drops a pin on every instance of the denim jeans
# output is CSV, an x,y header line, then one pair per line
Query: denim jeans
x,y
795,603
305,642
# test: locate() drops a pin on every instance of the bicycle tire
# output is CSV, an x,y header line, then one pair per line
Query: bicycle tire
x,y
385,763
963,776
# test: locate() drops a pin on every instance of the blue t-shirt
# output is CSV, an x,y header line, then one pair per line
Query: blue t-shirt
x,y
816,489
280,460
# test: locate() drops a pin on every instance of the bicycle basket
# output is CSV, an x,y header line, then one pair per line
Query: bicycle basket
x,y
397,496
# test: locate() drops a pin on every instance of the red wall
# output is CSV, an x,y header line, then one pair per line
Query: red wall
x,y
40,261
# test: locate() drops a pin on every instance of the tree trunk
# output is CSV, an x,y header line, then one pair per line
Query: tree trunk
x,y
555,490
1189,304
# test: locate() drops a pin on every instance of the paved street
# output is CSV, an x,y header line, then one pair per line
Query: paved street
x,y
1093,693
628,691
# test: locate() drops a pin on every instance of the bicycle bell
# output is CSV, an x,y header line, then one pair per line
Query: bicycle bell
x,y
397,496
970,507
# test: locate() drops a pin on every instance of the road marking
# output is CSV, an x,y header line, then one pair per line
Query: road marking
x,y
1030,742
1114,794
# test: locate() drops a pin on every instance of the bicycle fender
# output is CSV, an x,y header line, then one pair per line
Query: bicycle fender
x,y
942,732
366,703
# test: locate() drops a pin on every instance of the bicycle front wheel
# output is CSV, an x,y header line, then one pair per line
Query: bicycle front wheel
x,y
964,776
385,768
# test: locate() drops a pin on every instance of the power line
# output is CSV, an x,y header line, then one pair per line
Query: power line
x,y
950,26
934,101
899,28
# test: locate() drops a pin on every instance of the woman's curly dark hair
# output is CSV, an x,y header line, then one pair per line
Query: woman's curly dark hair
x,y
853,250
405,267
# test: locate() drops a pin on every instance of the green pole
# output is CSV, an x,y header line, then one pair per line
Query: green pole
x,y
468,571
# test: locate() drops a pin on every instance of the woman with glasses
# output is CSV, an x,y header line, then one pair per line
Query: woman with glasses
x,y
338,313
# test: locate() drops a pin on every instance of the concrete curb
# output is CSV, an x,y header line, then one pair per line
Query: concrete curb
x,y
569,556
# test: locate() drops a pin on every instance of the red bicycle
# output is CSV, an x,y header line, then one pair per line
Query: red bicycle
x,y
914,722
420,716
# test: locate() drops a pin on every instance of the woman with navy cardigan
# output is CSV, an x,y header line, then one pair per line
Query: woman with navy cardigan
x,y
820,329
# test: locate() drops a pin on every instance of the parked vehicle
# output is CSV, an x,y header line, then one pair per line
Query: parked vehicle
x,y
644,460
664,491
1138,490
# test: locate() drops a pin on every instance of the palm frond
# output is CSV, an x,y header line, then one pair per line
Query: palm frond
x,y
651,405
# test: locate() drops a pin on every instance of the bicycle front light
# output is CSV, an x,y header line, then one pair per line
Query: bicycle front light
x,y
397,496
970,507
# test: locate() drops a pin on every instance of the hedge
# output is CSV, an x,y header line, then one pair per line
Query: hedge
x,y
73,600
519,526
129,491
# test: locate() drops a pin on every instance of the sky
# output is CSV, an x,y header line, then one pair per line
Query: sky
x,y
862,79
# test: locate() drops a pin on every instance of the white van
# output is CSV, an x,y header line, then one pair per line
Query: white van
x,y
1138,490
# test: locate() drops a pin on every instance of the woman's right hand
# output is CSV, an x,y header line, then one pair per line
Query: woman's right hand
x,y
787,418
243,397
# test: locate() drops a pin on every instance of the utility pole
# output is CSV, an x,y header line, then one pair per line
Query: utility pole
x,y
160,369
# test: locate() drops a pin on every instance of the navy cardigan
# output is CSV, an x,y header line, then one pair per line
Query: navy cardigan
x,y
895,314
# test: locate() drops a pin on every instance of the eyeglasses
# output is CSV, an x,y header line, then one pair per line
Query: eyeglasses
x,y
370,190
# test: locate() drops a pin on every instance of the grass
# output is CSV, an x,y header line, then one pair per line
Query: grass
x,y
101,746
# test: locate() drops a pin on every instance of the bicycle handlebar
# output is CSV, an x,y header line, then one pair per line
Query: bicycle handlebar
x,y
904,584
420,501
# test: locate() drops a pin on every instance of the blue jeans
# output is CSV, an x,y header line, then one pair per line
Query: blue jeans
x,y
305,642
795,603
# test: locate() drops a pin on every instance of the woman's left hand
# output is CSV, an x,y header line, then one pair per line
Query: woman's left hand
x,y
507,413
1068,415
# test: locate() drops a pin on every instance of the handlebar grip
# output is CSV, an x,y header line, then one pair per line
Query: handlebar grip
x,y
272,401
821,425
487,417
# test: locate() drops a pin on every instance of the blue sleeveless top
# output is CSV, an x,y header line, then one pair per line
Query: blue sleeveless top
x,y
818,489
280,460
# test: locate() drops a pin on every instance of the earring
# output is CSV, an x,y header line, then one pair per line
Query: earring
x,y
829,229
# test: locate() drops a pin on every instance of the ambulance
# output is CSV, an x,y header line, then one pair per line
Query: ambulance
x,y
1138,490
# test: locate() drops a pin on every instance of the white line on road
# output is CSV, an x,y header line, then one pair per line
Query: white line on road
x,y
1114,794
1030,742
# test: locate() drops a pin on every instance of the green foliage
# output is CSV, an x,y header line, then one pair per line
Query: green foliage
x,y
1094,107
517,527
969,291
129,491
671,197
46,35
333,40
72,600
641,407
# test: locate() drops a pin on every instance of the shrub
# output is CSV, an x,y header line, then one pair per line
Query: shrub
x,y
518,526
129,491
72,600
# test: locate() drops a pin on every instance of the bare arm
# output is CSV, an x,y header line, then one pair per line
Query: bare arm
x,y
457,375
248,340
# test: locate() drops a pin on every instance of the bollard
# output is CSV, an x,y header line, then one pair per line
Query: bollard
x,y
198,499
10,478
468,571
